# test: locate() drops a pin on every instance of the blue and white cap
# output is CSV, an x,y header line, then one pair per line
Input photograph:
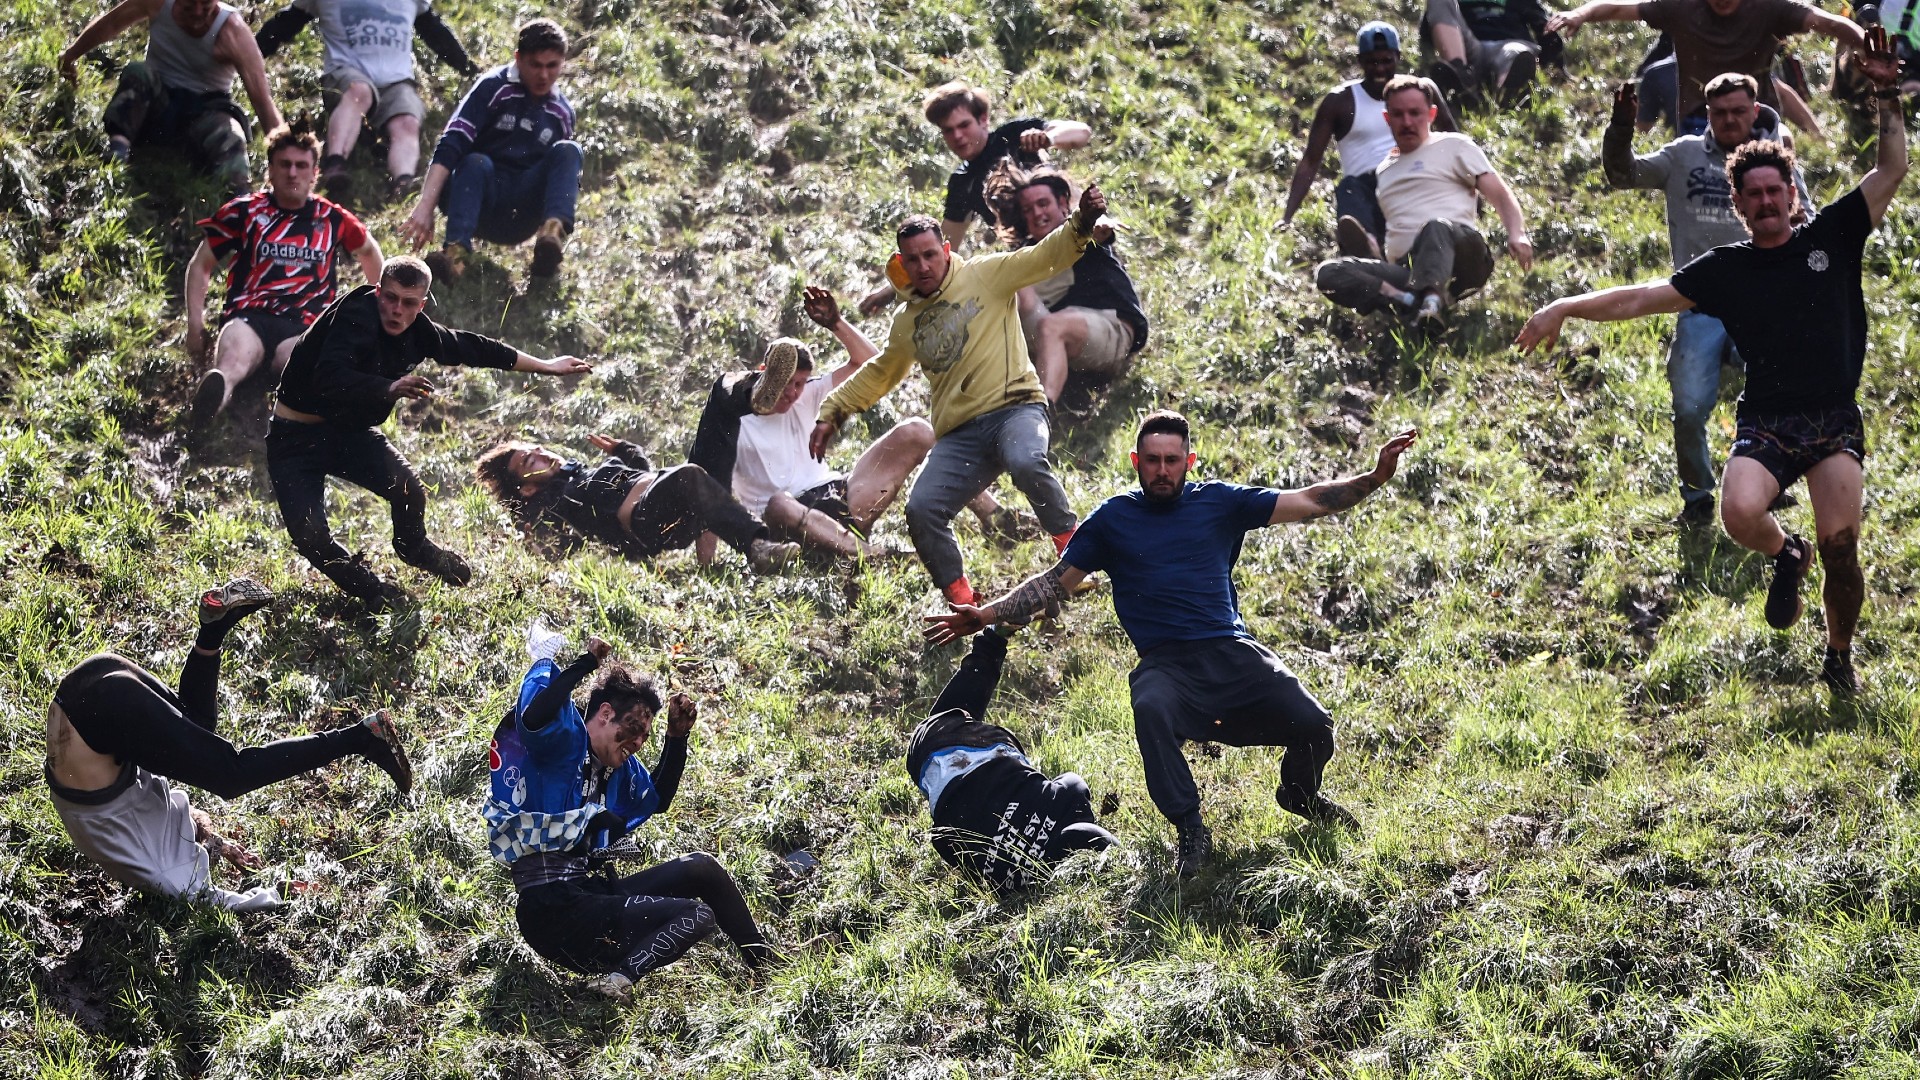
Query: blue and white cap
x,y
1377,35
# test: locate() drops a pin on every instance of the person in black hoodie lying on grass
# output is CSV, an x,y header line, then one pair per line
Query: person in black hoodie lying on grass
x,y
624,502
994,814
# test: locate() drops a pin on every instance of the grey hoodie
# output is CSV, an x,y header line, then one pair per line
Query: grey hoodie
x,y
1692,170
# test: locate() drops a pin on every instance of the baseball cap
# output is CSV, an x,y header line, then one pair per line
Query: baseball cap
x,y
1377,35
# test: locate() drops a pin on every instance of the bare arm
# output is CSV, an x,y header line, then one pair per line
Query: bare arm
x,y
1568,23
1333,496
1041,594
1068,134
105,27
240,50
1890,167
954,231
194,295
370,260
1838,27
1495,190
1607,305
824,310
559,365
1318,136
1794,108
418,228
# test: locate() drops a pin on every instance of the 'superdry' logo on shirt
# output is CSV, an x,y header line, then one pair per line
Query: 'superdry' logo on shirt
x,y
940,333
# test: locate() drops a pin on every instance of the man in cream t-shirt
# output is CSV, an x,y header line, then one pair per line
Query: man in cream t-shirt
x,y
1429,189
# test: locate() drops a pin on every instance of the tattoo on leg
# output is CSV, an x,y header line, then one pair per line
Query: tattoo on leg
x,y
1846,586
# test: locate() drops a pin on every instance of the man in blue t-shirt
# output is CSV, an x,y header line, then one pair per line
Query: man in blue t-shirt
x,y
1791,300
1169,549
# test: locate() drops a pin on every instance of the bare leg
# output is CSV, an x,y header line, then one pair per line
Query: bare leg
x,y
343,127
705,548
403,145
983,506
881,471
1448,43
281,354
1834,486
236,355
1746,493
1062,335
815,528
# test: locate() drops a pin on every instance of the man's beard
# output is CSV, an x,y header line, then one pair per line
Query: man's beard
x,y
1152,496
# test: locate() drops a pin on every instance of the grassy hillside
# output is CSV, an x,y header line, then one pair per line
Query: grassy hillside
x,y
1612,828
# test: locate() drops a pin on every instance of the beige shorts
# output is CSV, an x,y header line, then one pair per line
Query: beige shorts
x,y
1109,344
394,99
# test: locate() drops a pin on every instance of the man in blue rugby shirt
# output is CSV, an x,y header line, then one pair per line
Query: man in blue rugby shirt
x,y
566,788
1169,548
506,163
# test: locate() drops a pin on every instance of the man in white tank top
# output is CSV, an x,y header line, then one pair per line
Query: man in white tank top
x,y
1353,117
182,93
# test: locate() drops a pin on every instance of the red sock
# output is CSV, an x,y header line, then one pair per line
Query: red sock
x,y
960,592
1061,540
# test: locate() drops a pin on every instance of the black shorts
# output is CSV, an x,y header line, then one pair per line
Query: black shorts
x,y
271,329
1788,445
830,498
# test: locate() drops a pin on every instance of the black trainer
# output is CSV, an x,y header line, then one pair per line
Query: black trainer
x,y
1314,807
209,397
1837,673
446,565
1789,569
390,754
1695,513
1195,849
233,601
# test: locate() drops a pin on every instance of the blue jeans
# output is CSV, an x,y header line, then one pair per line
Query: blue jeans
x,y
1700,346
963,462
506,205
1354,196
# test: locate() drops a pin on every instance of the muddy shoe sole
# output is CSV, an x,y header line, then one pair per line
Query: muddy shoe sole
x,y
390,756
232,600
208,398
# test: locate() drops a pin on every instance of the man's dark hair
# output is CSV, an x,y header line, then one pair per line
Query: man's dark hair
x,y
1163,422
1731,81
1404,82
914,226
1759,154
541,35
1002,191
495,472
946,97
297,133
407,272
529,512
620,687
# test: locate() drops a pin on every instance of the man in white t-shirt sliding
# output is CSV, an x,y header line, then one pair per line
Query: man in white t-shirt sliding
x,y
753,433
1429,187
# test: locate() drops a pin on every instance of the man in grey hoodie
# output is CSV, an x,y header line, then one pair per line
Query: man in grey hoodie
x,y
1700,217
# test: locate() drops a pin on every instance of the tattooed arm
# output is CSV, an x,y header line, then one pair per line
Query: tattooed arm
x,y
1333,496
1041,594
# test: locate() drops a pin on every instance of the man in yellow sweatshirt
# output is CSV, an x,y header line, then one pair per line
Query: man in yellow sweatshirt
x,y
962,325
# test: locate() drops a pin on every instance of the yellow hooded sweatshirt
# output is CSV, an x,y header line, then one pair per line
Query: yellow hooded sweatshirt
x,y
967,336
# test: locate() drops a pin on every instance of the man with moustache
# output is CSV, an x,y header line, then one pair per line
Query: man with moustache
x,y
1170,548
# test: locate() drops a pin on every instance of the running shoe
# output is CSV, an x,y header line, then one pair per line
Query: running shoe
x,y
777,368
613,984
1194,851
1314,807
390,755
233,600
446,565
1518,88
1353,240
768,557
1789,570
549,248
208,399
1837,672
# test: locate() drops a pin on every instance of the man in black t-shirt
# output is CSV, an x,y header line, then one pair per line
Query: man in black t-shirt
x,y
962,112
1799,415
994,814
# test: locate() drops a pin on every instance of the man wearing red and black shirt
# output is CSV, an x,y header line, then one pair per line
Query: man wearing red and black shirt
x,y
283,244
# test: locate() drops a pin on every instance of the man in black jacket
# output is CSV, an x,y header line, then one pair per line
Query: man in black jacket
x,y
349,369
994,814
624,502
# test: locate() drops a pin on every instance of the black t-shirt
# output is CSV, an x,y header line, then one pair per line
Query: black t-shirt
x,y
1795,312
966,188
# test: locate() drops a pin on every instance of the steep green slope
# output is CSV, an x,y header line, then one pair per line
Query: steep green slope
x,y
1612,828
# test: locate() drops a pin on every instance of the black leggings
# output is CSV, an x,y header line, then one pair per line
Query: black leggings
x,y
973,683
300,457
685,502
635,924
119,708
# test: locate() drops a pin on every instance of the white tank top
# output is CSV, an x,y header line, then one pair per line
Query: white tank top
x,y
187,63
1367,143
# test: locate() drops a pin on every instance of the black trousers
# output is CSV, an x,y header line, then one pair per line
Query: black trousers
x,y
119,708
1224,690
685,502
300,457
635,924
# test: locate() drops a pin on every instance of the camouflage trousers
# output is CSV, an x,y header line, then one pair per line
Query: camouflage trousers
x,y
210,127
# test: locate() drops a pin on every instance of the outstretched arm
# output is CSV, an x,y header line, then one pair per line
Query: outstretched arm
x,y
1333,496
1568,23
1838,27
559,365
824,310
243,53
1058,134
1607,305
105,27
1881,66
1039,595
1318,136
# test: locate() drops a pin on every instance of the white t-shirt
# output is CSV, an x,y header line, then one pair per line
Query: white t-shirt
x,y
373,37
1434,183
772,457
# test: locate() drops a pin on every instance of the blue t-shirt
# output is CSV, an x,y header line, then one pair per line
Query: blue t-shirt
x,y
1172,563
